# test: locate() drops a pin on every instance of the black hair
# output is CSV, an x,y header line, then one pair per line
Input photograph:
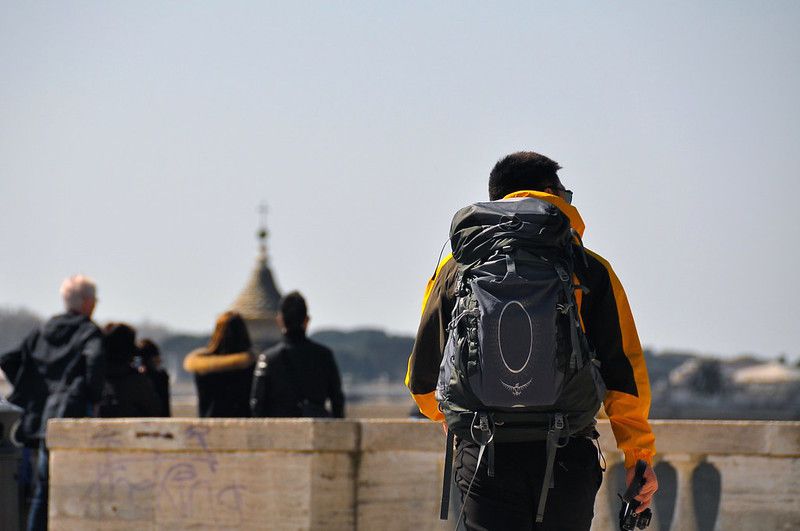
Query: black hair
x,y
294,311
523,170
147,349
119,343
148,352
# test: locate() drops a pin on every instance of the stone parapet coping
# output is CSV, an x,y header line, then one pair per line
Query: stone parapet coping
x,y
217,435
723,437
345,475
708,437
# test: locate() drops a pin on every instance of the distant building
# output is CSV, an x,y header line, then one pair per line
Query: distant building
x,y
745,388
259,301
772,373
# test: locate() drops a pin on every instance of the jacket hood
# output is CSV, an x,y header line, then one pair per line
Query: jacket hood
x,y
571,212
60,329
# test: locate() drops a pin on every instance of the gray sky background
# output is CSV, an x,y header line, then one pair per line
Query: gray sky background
x,y
137,139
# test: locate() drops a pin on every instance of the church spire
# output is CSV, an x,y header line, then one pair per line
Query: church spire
x,y
259,300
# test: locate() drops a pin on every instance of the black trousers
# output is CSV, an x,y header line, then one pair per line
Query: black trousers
x,y
509,500
37,515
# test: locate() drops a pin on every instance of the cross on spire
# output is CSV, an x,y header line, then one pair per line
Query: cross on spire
x,y
262,232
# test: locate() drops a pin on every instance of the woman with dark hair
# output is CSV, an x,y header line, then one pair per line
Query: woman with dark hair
x,y
126,393
150,355
223,370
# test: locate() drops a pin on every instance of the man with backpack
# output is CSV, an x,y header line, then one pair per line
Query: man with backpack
x,y
524,333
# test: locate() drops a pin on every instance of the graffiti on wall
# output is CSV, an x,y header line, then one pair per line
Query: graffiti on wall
x,y
164,487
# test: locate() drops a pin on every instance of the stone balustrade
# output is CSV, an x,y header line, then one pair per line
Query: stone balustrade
x,y
378,475
758,468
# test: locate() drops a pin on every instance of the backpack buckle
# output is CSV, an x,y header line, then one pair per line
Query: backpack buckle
x,y
562,274
484,422
512,223
511,266
485,427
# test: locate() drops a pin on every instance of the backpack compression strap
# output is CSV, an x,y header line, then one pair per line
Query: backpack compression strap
x,y
558,429
576,358
448,476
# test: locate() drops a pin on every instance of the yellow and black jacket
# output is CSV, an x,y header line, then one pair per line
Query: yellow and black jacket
x,y
607,321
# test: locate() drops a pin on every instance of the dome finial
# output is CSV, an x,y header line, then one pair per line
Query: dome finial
x,y
262,232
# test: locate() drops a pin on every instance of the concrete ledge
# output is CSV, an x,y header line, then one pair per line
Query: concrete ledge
x,y
172,435
779,439
311,474
410,435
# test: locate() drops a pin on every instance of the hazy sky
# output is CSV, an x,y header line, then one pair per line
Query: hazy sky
x,y
137,139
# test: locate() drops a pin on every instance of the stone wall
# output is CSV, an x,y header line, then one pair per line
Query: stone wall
x,y
370,474
214,474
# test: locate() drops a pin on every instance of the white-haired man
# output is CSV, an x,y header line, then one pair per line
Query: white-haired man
x,y
57,372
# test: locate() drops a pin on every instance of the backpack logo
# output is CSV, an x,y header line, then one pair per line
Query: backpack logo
x,y
518,324
517,389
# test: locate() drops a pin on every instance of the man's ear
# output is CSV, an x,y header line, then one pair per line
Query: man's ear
x,y
305,321
279,320
88,306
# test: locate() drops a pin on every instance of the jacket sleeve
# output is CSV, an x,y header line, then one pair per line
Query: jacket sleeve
x,y
258,391
426,356
95,366
610,328
11,362
335,388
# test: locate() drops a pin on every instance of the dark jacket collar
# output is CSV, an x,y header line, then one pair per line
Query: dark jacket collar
x,y
293,337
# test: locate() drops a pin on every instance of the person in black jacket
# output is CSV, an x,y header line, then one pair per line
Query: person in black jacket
x,y
127,392
297,376
150,355
223,370
57,372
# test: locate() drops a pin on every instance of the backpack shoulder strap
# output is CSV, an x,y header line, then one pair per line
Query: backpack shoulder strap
x,y
68,373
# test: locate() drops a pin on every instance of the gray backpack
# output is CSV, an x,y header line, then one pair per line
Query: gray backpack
x,y
517,365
